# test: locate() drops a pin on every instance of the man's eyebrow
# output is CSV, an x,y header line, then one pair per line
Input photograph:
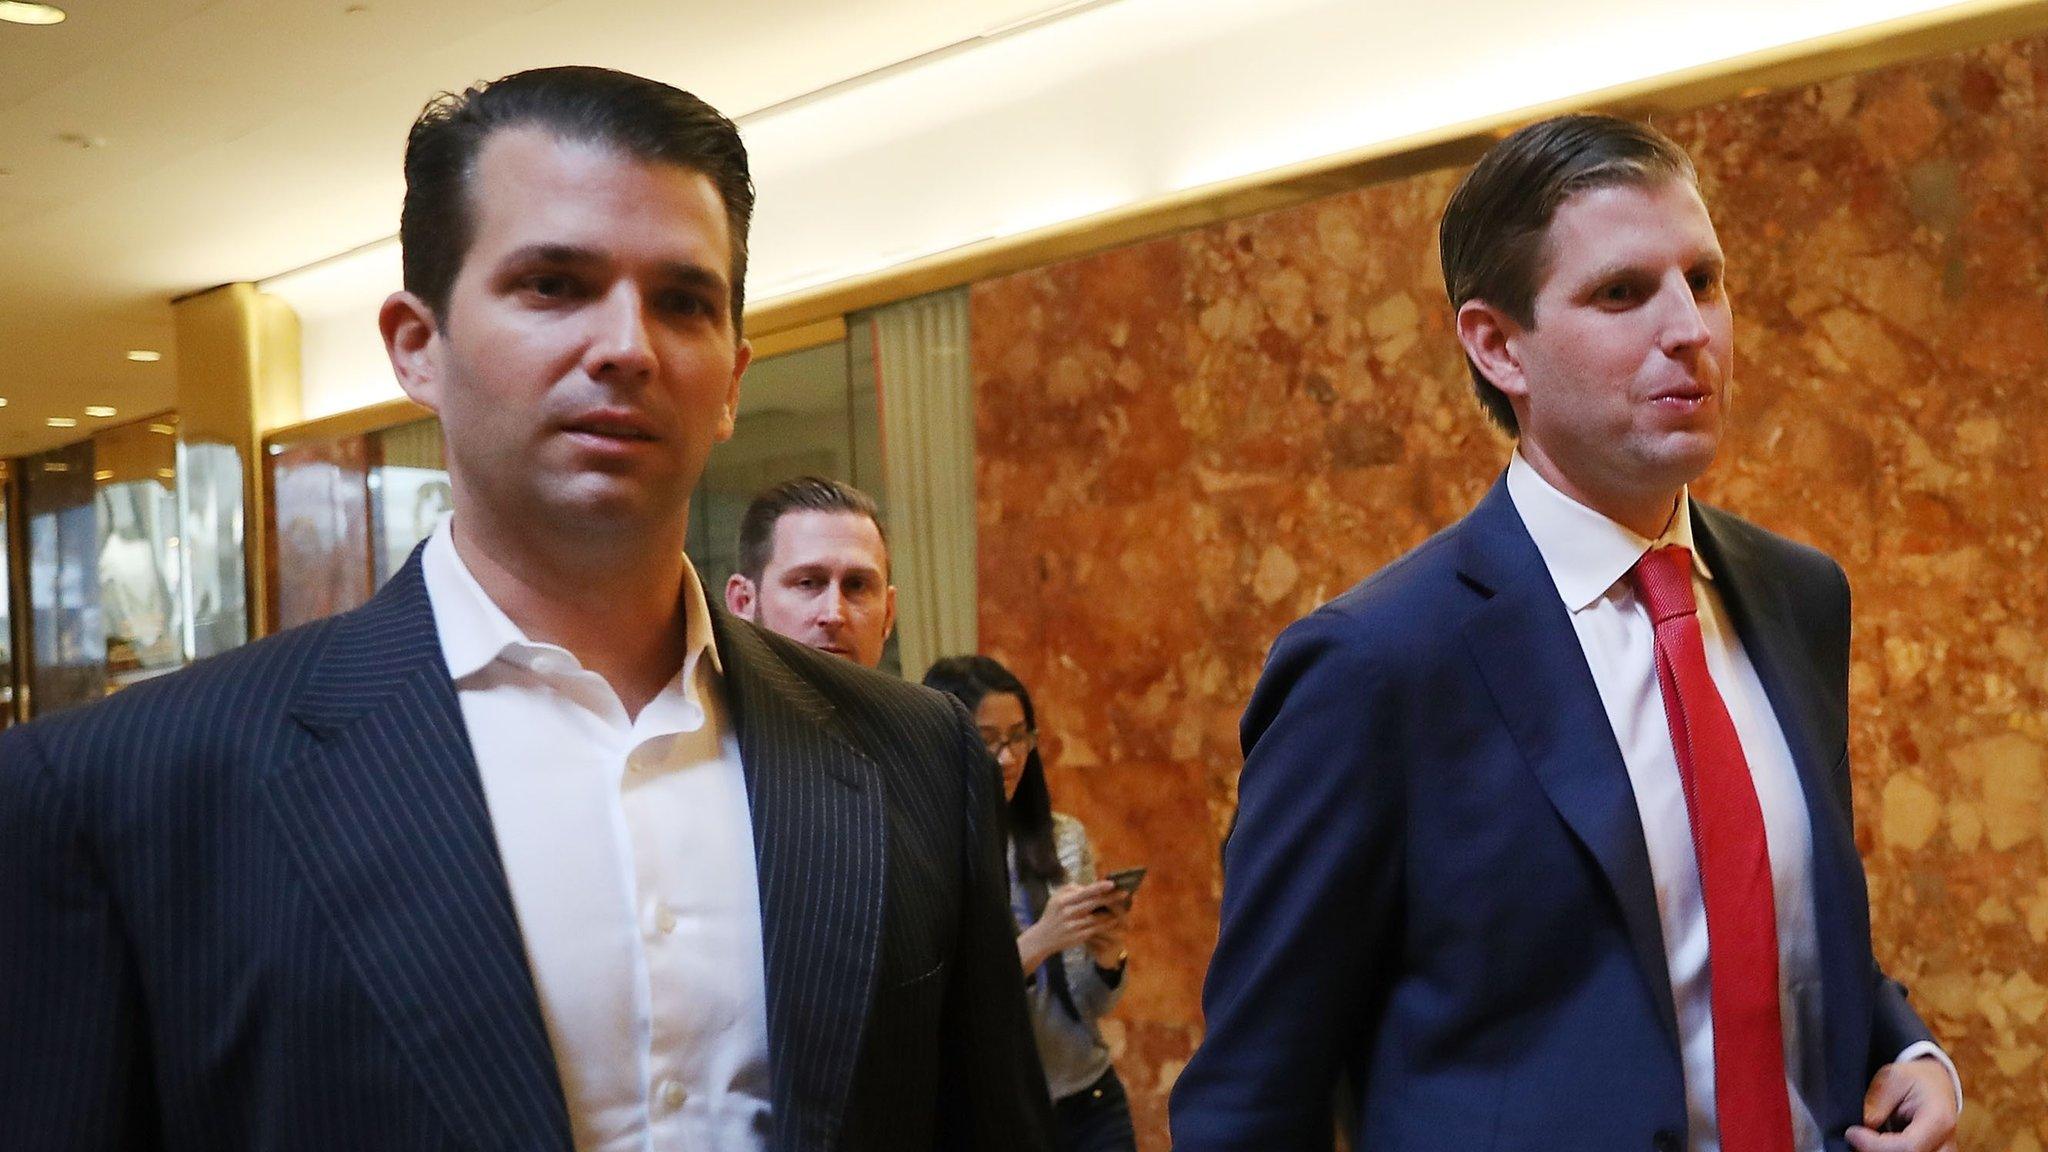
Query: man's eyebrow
x,y
1625,269
825,567
678,272
552,254
692,275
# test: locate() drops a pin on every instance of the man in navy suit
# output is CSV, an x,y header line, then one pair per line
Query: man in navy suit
x,y
537,850
1543,838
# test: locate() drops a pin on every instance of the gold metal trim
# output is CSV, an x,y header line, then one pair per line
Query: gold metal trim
x,y
783,341
354,422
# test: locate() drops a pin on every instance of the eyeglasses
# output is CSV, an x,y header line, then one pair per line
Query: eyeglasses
x,y
1019,741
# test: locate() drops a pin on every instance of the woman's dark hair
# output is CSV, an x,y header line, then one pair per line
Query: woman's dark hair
x,y
1027,818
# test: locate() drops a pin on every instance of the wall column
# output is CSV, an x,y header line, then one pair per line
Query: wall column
x,y
238,376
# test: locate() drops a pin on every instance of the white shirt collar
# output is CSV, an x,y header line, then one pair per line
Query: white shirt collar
x,y
475,631
1586,552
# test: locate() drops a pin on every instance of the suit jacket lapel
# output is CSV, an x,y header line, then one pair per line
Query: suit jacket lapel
x,y
1757,597
821,851
1527,651
387,821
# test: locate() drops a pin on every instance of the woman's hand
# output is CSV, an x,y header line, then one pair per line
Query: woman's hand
x,y
1070,918
1106,941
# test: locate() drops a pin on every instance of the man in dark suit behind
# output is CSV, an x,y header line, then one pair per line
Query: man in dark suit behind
x,y
1507,805
536,850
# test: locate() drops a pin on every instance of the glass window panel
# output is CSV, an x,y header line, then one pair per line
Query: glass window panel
x,y
136,516
800,414
68,644
320,551
137,523
210,554
409,492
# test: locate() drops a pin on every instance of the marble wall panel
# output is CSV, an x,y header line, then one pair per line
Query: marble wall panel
x,y
1185,444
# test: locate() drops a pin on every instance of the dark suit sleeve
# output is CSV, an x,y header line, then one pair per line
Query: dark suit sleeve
x,y
1311,902
992,1087
73,1069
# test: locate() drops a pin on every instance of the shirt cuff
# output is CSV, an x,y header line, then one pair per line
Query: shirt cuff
x,y
1928,1050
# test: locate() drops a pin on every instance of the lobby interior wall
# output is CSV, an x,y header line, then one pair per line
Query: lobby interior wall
x,y
910,180
1185,444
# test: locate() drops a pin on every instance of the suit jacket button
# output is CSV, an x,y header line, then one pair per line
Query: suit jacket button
x,y
1667,1141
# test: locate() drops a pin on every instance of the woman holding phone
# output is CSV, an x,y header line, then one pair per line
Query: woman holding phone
x,y
1070,925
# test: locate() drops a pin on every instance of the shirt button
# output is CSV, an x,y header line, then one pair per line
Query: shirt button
x,y
669,1095
665,920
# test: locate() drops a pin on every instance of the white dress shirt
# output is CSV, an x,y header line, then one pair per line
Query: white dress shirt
x,y
1589,557
629,852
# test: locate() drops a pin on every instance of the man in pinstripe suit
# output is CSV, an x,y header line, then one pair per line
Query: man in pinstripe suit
x,y
536,850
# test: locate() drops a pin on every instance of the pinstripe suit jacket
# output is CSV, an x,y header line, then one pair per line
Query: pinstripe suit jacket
x,y
259,905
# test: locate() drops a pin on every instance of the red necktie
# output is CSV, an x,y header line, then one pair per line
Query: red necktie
x,y
1735,867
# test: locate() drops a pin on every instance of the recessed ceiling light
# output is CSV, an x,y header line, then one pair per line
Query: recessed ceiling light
x,y
56,466
61,422
163,429
145,355
100,410
3,401
167,473
103,475
16,12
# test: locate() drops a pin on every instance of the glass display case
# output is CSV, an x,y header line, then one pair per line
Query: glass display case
x,y
139,562
409,492
67,650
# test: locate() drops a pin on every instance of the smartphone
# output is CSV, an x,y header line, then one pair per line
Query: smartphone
x,y
1127,880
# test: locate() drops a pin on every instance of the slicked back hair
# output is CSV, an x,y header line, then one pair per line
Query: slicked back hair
x,y
643,119
1492,237
803,494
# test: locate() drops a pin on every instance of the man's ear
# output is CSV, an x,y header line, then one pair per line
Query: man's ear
x,y
742,356
412,341
739,597
889,621
1488,335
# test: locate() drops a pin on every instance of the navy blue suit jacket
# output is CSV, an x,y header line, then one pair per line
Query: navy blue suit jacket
x,y
259,905
1437,889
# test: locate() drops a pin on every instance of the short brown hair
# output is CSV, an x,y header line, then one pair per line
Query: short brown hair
x,y
1491,239
803,494
644,119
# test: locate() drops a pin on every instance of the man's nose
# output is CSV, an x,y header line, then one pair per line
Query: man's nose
x,y
620,343
832,604
1685,322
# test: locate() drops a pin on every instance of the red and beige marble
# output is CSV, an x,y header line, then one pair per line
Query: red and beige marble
x,y
1185,444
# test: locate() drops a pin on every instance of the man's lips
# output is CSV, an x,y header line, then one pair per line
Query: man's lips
x,y
1684,394
611,426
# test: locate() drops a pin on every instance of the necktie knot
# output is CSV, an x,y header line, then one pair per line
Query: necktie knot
x,y
1663,582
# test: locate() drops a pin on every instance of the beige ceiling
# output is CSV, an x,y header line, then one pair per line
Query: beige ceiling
x,y
152,148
